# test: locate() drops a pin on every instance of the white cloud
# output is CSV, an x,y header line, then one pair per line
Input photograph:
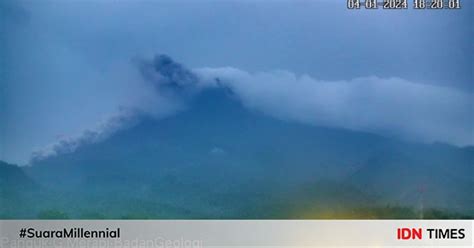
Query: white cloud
x,y
386,106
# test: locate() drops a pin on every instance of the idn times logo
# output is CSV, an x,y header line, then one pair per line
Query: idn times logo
x,y
430,233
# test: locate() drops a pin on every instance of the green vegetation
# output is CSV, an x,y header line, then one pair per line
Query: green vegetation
x,y
52,214
388,212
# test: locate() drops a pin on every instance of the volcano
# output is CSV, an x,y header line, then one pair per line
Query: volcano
x,y
220,159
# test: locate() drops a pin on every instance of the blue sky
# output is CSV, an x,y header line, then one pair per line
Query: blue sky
x,y
67,66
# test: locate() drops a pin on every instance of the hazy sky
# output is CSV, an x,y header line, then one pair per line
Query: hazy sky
x,y
67,65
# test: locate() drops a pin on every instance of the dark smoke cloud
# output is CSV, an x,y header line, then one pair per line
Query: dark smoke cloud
x,y
166,75
171,86
124,119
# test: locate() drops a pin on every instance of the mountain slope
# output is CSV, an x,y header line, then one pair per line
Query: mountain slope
x,y
13,177
15,188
